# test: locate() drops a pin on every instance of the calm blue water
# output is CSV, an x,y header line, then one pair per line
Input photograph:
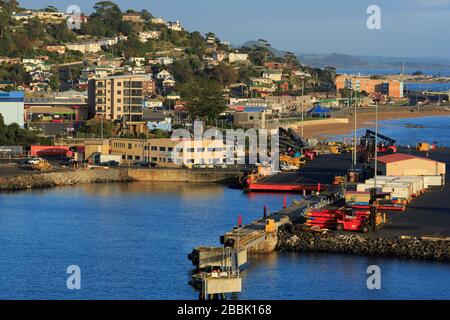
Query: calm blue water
x,y
368,72
412,131
131,242
432,86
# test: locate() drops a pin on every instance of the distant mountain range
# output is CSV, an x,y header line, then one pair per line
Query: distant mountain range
x,y
345,61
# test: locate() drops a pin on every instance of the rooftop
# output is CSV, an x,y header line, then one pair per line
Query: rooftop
x,y
399,157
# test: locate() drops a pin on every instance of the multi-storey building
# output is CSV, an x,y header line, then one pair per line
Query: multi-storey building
x,y
389,87
168,152
118,98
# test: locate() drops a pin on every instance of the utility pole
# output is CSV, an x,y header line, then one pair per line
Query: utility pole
x,y
303,103
101,126
356,138
373,208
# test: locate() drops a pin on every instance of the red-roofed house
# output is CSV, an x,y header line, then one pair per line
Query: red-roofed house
x,y
400,164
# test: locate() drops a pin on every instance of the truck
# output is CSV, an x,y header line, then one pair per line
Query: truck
x,y
107,159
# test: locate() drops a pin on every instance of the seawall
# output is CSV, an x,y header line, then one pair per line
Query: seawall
x,y
183,175
62,178
293,240
33,180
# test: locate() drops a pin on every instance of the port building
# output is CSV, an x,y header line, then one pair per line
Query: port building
x,y
167,152
400,164
12,107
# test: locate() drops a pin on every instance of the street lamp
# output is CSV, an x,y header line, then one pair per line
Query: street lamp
x,y
303,101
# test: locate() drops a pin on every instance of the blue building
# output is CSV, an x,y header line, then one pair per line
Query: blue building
x,y
12,107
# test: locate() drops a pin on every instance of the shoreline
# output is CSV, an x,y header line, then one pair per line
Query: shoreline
x,y
291,239
27,181
364,120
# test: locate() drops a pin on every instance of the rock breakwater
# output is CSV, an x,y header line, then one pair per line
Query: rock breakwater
x,y
296,240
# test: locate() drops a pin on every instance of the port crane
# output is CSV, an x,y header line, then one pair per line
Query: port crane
x,y
294,150
367,145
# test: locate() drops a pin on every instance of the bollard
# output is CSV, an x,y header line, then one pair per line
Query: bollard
x,y
265,211
304,193
284,202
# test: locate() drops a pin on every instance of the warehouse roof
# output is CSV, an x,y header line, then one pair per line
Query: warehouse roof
x,y
399,157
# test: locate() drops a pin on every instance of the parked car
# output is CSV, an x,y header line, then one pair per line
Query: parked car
x,y
35,160
145,164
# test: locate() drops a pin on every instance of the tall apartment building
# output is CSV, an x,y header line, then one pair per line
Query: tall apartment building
x,y
118,98
391,88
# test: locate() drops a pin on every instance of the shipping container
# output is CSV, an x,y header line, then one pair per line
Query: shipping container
x,y
434,181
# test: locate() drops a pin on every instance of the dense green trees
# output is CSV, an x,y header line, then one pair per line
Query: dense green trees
x,y
224,74
96,126
14,135
14,73
203,97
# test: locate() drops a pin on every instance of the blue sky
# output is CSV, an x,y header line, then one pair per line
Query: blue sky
x,y
410,28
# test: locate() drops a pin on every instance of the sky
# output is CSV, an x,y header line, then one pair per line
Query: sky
x,y
409,28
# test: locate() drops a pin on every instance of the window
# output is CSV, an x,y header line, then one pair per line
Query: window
x,y
170,149
123,157
200,149
154,148
179,149
190,150
162,148
130,157
119,100
154,159
130,146
137,158
119,84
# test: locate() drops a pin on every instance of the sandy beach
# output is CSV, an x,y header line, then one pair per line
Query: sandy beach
x,y
364,120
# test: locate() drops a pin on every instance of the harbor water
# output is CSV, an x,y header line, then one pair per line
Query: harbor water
x,y
411,131
131,242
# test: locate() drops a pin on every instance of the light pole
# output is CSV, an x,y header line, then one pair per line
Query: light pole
x,y
303,103
355,137
376,144
373,208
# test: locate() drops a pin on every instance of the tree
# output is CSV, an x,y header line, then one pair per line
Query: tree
x,y
14,135
224,74
60,33
51,9
147,16
109,13
95,126
54,83
204,98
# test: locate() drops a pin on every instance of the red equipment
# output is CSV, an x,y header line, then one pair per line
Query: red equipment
x,y
342,219
358,222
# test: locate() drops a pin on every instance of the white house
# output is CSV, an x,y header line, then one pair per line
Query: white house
x,y
144,36
174,25
237,57
274,75
164,60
